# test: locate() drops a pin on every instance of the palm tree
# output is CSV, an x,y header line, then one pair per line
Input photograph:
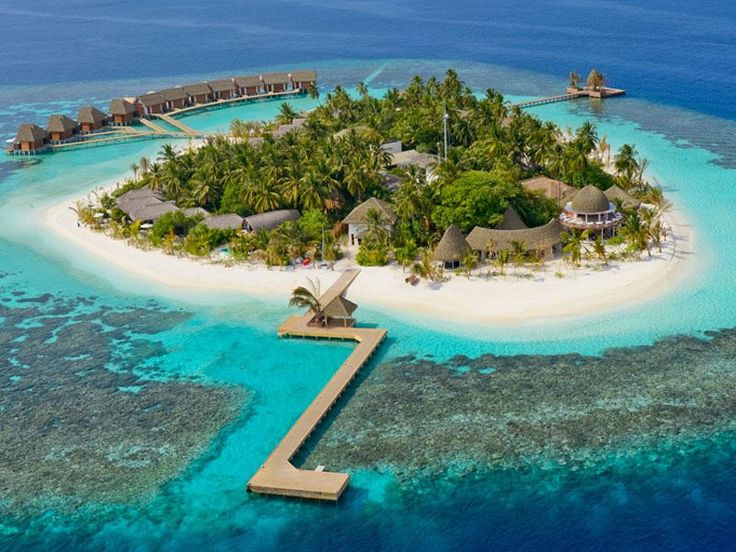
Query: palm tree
x,y
635,232
595,79
312,91
286,115
599,248
469,262
502,258
574,79
573,245
307,297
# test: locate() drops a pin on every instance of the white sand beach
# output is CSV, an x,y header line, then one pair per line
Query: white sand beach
x,y
498,300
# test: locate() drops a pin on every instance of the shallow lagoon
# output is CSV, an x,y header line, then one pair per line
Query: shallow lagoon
x,y
229,340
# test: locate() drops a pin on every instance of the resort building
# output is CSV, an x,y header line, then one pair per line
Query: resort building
x,y
543,242
270,219
31,138
549,188
303,79
276,82
511,220
358,221
199,93
151,104
452,248
392,147
622,198
122,112
295,125
145,205
590,210
91,119
224,222
223,89
249,85
174,98
407,158
61,127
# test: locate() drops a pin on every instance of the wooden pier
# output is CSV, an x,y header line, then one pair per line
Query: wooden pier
x,y
571,95
178,124
277,476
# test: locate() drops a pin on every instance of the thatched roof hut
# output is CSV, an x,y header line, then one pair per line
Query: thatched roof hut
x,y
492,240
90,115
248,81
275,78
222,85
511,220
61,124
359,215
174,94
224,222
196,211
616,194
339,307
304,76
452,247
270,219
32,134
152,99
413,157
144,204
590,200
119,106
549,187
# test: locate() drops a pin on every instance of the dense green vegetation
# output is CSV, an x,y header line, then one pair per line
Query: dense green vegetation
x,y
335,161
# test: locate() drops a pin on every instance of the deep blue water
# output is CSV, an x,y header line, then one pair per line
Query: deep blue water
x,y
676,59
678,52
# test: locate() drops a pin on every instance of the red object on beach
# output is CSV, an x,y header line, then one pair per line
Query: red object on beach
x,y
306,262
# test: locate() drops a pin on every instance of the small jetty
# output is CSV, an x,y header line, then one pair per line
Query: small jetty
x,y
277,475
572,94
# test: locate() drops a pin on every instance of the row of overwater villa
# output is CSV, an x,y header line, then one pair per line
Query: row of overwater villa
x,y
93,124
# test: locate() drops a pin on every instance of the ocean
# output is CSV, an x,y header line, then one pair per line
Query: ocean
x,y
132,415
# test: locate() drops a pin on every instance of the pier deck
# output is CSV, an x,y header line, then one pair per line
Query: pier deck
x,y
277,476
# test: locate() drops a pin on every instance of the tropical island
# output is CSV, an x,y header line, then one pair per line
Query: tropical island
x,y
434,182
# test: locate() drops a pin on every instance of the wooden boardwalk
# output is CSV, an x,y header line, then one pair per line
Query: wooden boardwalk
x,y
178,124
277,476
581,93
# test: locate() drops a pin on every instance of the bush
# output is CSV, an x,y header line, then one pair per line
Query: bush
x,y
202,239
175,222
375,256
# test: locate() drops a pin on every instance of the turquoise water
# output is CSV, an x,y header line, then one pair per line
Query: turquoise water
x,y
229,339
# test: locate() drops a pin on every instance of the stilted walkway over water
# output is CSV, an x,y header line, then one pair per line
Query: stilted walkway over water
x,y
277,476
581,93
177,124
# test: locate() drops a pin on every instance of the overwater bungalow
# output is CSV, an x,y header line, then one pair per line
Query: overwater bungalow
x,y
549,188
230,221
357,221
223,89
542,242
174,98
91,119
251,85
199,93
31,138
276,82
61,127
452,249
619,196
270,219
151,103
122,112
590,210
303,79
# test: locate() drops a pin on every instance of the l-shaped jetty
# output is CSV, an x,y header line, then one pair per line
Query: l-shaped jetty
x,y
277,475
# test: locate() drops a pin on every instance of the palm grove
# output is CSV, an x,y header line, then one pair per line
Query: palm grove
x,y
335,161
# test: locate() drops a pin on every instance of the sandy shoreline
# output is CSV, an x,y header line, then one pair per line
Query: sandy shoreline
x,y
496,301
